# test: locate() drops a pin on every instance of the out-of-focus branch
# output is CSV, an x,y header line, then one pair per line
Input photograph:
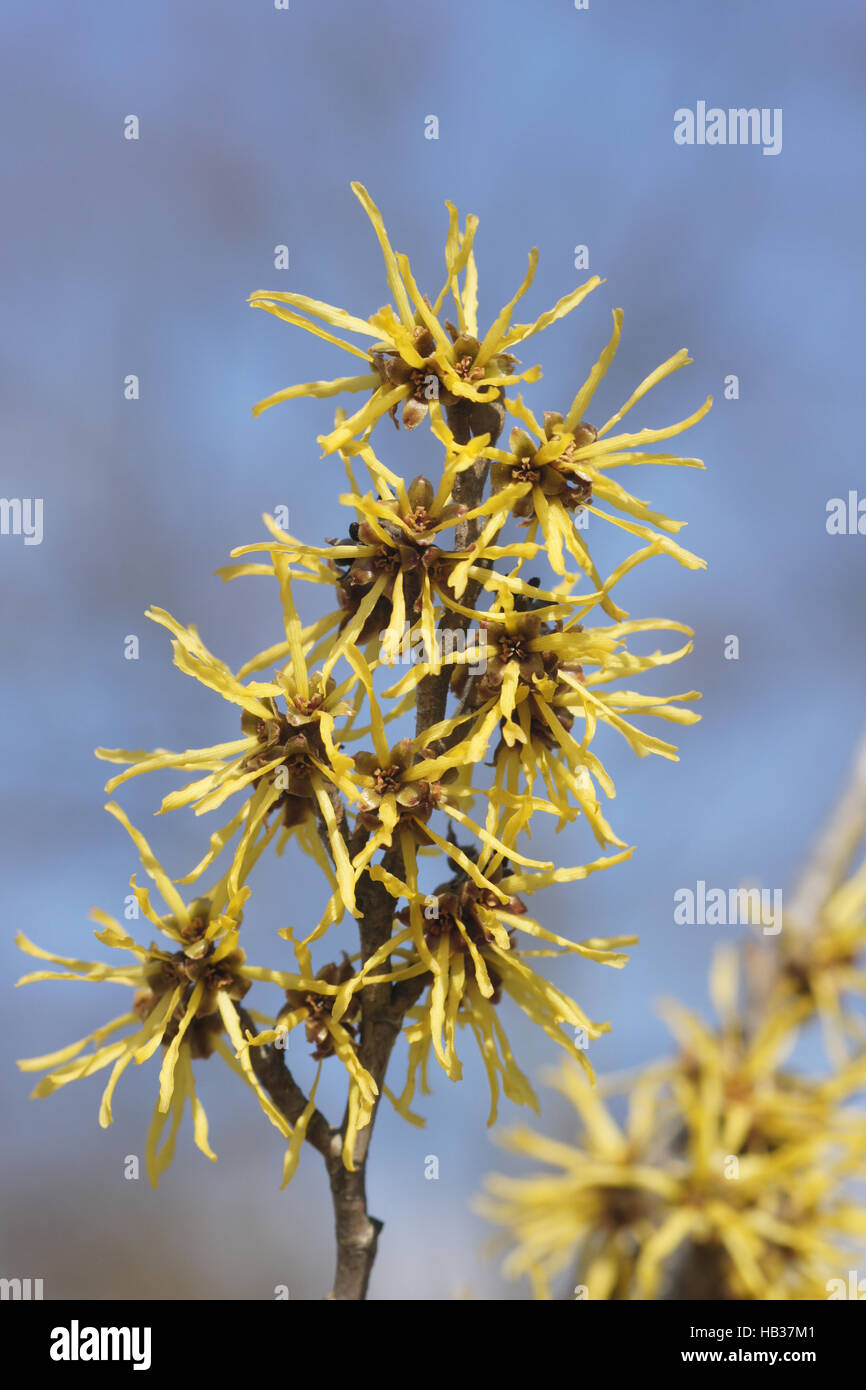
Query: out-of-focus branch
x,y
698,1272
834,848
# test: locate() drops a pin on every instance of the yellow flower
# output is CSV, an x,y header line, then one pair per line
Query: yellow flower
x,y
286,760
563,466
463,939
732,1175
822,964
327,1005
413,358
392,573
536,682
600,1203
186,998
766,1151
400,789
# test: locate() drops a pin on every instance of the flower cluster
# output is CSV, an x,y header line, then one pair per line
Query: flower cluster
x,y
735,1175
512,683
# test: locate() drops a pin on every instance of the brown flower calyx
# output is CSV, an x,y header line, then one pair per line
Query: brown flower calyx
x,y
583,433
410,550
416,799
466,350
467,903
512,641
467,418
624,1207
318,1007
301,709
556,477
520,639
194,928
806,960
417,524
295,738
426,382
188,971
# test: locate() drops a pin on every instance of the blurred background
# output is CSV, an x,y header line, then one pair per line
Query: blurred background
x,y
136,257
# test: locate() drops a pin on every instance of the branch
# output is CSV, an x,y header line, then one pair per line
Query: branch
x,y
834,848
269,1065
357,1231
383,1006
